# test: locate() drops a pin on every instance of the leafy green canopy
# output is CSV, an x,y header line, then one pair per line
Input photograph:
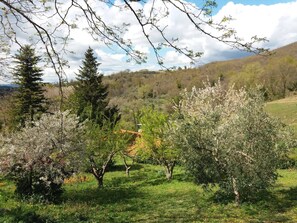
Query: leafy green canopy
x,y
155,141
29,101
227,138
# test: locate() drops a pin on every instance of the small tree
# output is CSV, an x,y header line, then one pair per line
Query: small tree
x,y
227,138
39,157
90,94
103,142
29,99
155,141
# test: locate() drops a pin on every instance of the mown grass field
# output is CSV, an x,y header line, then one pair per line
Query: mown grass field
x,y
284,109
146,196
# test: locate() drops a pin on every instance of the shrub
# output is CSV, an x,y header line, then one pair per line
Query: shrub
x,y
39,157
228,139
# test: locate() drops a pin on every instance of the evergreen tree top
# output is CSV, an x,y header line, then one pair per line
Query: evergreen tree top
x,y
27,70
89,68
91,94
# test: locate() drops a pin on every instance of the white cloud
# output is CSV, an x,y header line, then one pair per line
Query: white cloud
x,y
276,22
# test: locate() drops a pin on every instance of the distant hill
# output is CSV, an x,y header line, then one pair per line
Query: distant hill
x,y
237,64
7,89
276,74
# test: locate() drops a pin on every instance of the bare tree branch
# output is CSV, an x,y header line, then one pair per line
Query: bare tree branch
x,y
52,23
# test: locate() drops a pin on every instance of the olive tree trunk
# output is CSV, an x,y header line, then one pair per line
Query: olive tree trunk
x,y
99,172
169,166
235,191
127,166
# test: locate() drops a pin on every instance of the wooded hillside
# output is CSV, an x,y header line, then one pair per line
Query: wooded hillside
x,y
275,75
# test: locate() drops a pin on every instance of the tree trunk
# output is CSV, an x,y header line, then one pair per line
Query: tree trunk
x,y
100,182
169,170
235,191
128,171
99,172
128,167
31,181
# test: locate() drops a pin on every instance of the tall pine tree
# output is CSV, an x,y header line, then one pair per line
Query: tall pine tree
x,y
29,101
91,94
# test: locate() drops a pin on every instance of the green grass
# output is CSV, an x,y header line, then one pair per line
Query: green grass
x,y
146,196
284,109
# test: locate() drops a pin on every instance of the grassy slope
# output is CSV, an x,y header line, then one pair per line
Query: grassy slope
x,y
147,197
284,109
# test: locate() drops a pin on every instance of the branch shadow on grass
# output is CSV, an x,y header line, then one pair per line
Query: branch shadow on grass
x,y
272,206
266,206
20,214
101,196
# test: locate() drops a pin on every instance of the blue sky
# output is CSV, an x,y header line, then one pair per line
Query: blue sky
x,y
251,2
268,18
222,3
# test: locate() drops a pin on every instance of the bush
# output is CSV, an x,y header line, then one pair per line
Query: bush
x,y
39,157
228,139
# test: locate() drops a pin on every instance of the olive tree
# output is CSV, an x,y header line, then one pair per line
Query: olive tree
x,y
39,157
228,139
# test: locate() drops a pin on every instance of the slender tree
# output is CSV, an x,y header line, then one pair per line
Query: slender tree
x,y
30,101
90,93
155,141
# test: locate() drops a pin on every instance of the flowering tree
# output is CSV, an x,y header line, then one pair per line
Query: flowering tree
x,y
228,139
39,157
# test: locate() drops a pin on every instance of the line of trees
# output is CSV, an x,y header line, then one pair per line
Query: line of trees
x,y
221,135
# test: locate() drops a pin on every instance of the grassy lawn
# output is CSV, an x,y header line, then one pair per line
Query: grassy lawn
x,y
146,196
284,109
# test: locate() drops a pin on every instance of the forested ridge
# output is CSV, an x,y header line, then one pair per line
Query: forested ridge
x,y
252,70
275,74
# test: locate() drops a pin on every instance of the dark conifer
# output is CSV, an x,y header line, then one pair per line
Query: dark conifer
x,y
29,100
91,94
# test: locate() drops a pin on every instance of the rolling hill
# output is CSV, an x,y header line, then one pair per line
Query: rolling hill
x,y
276,73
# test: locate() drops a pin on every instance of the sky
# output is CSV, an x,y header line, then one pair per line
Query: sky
x,y
249,2
274,19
